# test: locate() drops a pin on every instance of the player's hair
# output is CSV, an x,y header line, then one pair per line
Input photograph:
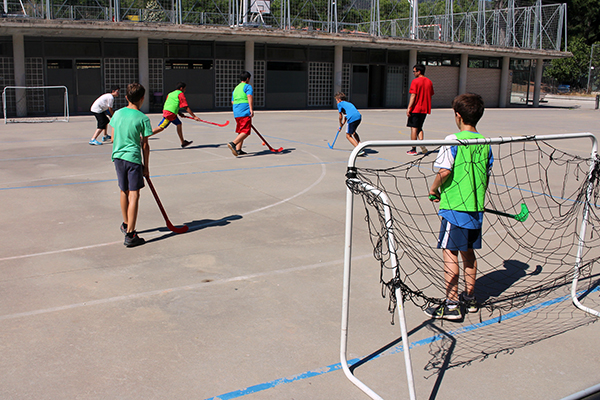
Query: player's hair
x,y
470,107
135,92
420,68
114,88
180,85
340,96
244,76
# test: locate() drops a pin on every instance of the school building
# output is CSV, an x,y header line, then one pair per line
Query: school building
x,y
292,68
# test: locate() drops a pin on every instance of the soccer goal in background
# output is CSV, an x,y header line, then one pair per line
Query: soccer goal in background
x,y
35,104
541,229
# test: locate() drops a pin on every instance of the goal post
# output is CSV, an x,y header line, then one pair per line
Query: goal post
x,y
563,191
35,104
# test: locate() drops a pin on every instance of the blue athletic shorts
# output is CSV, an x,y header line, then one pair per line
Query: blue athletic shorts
x,y
455,238
165,122
129,175
352,126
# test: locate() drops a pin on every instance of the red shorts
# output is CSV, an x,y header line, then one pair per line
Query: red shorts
x,y
243,125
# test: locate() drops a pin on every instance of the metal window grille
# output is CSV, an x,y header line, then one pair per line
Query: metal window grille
x,y
120,72
346,79
320,84
34,76
156,75
258,82
7,78
227,76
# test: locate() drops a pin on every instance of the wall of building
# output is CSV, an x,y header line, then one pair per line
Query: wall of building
x,y
445,84
284,76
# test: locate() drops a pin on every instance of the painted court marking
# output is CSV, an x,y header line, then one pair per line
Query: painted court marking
x,y
319,179
395,350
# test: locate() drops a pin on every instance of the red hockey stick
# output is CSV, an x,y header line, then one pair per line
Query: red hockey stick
x,y
208,122
172,228
265,142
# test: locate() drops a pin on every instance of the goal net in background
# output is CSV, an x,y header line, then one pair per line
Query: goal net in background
x,y
35,104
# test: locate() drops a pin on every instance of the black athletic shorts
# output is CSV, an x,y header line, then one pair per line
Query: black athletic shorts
x,y
102,119
352,126
129,175
416,120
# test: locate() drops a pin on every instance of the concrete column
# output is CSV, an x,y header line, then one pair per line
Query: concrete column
x,y
462,74
338,63
539,68
412,61
249,64
504,82
144,71
19,67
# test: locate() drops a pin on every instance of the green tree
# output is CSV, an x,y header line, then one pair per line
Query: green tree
x,y
583,20
574,70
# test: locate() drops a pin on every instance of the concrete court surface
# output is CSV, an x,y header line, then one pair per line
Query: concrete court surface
x,y
247,304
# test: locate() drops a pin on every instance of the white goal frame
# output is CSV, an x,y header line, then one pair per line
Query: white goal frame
x,y
64,118
391,244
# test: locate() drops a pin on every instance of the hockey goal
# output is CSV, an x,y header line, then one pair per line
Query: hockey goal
x,y
35,104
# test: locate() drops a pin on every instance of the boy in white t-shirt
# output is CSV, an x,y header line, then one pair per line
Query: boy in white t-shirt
x,y
101,105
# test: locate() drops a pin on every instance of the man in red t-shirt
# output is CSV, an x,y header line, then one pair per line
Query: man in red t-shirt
x,y
421,90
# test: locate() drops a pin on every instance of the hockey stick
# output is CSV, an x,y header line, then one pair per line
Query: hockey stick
x,y
265,142
172,228
521,217
336,135
208,122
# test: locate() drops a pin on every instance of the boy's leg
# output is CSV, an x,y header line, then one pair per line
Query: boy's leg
x,y
180,133
351,139
133,201
239,140
451,270
470,268
124,206
96,134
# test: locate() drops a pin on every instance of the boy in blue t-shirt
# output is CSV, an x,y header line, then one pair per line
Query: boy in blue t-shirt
x,y
460,187
352,116
131,155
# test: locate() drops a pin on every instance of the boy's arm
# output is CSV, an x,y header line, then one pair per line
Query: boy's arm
x,y
146,156
189,111
251,105
341,119
440,178
411,104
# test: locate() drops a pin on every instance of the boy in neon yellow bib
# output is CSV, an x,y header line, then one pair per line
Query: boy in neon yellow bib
x,y
175,102
460,187
242,100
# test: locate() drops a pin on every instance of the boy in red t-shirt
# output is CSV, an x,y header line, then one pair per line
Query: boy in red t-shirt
x,y
421,90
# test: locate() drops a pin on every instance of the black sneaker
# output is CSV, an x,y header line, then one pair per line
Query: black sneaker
x,y
124,228
241,152
186,143
471,304
444,312
232,148
133,240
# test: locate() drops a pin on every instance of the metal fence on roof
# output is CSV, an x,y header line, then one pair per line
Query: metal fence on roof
x,y
539,26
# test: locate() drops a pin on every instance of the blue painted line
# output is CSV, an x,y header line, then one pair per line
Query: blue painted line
x,y
397,349
178,174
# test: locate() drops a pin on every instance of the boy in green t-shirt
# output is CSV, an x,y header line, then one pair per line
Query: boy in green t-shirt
x,y
130,155
460,187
